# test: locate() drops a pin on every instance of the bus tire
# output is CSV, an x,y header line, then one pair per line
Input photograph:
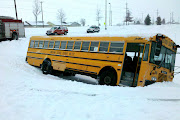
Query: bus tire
x,y
46,67
108,77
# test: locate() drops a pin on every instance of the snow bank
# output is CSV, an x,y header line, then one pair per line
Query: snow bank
x,y
27,94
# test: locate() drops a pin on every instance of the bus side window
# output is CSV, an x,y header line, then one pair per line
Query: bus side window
x,y
46,44
70,45
36,44
85,46
145,58
56,46
77,45
103,46
32,44
51,44
94,46
41,44
63,44
116,47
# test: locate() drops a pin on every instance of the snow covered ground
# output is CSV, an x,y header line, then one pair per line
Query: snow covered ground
x,y
27,94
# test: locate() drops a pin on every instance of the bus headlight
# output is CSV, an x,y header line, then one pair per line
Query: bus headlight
x,y
153,78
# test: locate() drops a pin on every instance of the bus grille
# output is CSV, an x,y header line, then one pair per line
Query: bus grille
x,y
162,77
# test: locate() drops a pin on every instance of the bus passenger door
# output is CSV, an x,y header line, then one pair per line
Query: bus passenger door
x,y
132,64
144,67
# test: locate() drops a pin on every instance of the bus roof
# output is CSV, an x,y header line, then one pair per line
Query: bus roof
x,y
101,37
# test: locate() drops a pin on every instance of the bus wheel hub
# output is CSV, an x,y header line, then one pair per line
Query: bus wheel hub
x,y
107,80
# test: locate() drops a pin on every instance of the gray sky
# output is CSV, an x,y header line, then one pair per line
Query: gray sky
x,y
77,9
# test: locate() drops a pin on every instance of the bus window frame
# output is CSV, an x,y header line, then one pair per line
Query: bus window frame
x,y
116,47
147,52
79,47
59,45
104,47
72,46
93,46
65,45
35,44
47,45
53,45
82,46
42,44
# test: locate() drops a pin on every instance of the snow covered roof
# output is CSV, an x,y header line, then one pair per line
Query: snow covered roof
x,y
34,23
6,17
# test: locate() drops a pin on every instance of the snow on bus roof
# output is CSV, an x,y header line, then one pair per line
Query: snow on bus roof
x,y
146,36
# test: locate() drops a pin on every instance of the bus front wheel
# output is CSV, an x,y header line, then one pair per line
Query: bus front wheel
x,y
46,67
108,78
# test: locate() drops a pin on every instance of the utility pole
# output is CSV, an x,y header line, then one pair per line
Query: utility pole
x,y
142,18
105,15
15,9
172,17
42,13
110,14
157,13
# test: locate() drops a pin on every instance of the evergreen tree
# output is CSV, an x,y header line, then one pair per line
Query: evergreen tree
x,y
163,21
147,20
158,20
128,17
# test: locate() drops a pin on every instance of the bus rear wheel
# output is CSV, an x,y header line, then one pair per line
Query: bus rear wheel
x,y
108,78
46,67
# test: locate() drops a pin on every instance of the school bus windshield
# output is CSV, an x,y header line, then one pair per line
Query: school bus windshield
x,y
165,59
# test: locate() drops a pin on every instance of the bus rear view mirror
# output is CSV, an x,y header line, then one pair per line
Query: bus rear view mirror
x,y
157,52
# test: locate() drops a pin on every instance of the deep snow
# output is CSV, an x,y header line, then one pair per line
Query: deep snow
x,y
27,94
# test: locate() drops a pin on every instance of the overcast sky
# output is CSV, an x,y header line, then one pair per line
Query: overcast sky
x,y
77,9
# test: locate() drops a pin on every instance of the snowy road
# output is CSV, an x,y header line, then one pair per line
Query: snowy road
x,y
27,94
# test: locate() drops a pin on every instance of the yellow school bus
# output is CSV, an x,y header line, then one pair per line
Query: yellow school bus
x,y
128,61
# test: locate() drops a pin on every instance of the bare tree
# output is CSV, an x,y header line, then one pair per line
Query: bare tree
x,y
61,16
36,10
83,21
98,15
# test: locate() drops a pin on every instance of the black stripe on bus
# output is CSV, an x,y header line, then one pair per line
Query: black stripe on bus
x,y
34,57
76,57
76,63
81,70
